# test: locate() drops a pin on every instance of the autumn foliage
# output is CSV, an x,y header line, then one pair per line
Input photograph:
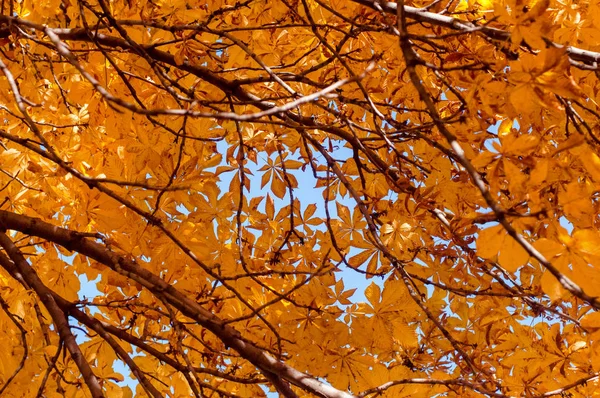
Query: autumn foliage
x,y
189,189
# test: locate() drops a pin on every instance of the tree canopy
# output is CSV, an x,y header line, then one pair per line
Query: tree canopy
x,y
189,189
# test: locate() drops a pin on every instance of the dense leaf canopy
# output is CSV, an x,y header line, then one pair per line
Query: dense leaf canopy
x,y
189,190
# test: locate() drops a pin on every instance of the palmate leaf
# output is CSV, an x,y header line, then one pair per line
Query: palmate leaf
x,y
324,198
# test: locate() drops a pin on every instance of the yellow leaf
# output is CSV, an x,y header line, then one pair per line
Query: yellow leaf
x,y
551,286
524,99
524,144
591,162
516,179
538,9
512,255
587,241
278,187
505,127
591,321
373,294
539,173
548,248
490,241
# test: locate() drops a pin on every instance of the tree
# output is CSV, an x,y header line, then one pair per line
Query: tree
x,y
186,186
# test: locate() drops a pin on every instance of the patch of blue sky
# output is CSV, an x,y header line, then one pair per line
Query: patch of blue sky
x,y
307,193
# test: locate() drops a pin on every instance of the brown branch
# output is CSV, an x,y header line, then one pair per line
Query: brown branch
x,y
58,316
586,57
121,334
563,390
126,267
412,60
99,328
382,388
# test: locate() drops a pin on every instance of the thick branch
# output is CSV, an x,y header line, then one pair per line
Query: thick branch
x,y
589,58
129,268
412,60
58,316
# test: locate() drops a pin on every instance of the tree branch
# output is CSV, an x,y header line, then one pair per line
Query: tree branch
x,y
58,316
